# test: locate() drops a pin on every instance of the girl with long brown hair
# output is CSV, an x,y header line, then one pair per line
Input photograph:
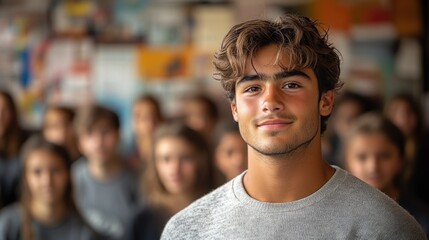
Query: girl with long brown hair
x,y
46,210
178,174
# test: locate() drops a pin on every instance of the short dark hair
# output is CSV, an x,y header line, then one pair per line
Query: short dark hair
x,y
299,35
89,115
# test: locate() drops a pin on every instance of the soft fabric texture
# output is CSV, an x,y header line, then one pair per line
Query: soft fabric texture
x,y
109,205
344,208
70,228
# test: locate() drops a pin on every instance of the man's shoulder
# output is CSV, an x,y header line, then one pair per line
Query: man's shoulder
x,y
212,201
370,207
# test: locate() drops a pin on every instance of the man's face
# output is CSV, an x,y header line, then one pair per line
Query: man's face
x,y
278,110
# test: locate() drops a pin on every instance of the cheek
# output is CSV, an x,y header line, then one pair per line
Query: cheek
x,y
245,106
32,182
111,141
189,170
392,166
161,169
354,166
62,180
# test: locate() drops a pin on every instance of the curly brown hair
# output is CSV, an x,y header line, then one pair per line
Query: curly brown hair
x,y
297,36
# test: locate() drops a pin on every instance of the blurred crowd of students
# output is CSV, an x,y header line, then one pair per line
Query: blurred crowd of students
x,y
70,181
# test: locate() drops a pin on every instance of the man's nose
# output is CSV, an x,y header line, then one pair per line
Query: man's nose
x,y
272,100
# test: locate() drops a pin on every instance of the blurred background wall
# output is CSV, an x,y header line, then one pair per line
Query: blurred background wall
x,y
76,51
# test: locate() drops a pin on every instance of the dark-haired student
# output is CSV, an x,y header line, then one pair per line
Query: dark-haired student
x,y
106,191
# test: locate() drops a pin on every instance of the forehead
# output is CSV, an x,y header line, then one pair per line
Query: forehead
x,y
271,59
42,157
269,55
170,143
370,140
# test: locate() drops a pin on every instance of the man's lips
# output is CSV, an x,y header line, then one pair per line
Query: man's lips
x,y
273,123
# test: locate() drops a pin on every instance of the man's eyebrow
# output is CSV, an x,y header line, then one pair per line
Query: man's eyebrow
x,y
250,78
286,74
277,76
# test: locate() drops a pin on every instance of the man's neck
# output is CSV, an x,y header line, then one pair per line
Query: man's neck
x,y
285,178
48,214
105,170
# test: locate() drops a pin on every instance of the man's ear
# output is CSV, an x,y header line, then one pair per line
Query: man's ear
x,y
326,103
234,110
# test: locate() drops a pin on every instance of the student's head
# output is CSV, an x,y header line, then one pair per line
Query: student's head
x,y
58,125
201,114
146,115
45,180
230,150
298,45
374,151
404,111
46,173
348,107
180,164
98,133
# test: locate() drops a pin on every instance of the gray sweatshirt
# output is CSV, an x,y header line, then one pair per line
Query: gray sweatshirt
x,y
344,208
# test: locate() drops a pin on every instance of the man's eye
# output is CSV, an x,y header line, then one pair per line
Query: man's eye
x,y
291,86
251,89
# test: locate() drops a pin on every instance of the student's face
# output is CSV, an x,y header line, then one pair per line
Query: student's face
x,y
5,115
344,117
281,112
47,177
374,159
100,144
57,128
403,116
231,155
176,164
145,118
197,117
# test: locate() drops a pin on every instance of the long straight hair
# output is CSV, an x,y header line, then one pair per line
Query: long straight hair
x,y
38,143
154,191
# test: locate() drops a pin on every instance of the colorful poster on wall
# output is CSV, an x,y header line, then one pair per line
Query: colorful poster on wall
x,y
164,63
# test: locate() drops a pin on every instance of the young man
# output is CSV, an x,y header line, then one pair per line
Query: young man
x,y
106,192
281,78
